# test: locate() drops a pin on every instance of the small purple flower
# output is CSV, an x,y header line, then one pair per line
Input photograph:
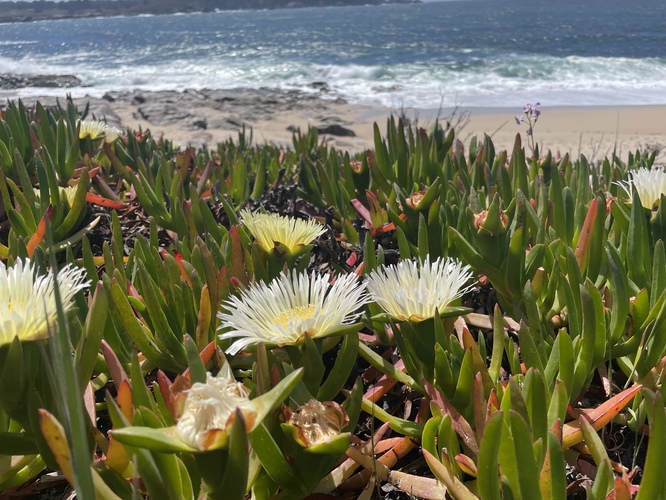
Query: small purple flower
x,y
529,131
519,119
527,108
536,111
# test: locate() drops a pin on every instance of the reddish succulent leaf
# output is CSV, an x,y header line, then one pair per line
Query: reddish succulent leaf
x,y
117,457
206,355
363,212
115,367
89,403
460,425
352,259
623,490
40,232
386,444
179,260
164,385
599,416
454,485
389,226
467,465
383,385
98,200
55,437
585,237
124,399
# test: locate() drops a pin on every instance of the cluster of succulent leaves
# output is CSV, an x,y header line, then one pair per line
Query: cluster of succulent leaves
x,y
578,270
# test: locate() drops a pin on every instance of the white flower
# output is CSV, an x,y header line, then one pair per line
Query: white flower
x,y
269,229
95,129
291,306
649,184
409,292
209,410
27,303
112,134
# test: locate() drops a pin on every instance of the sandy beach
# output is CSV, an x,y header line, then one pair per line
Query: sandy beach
x,y
207,117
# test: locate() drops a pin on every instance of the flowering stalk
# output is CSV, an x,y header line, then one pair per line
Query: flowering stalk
x,y
531,113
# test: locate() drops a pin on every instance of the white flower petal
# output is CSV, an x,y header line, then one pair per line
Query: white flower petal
x,y
407,291
27,302
209,407
650,184
292,305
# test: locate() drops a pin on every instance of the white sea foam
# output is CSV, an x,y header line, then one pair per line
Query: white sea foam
x,y
365,59
558,81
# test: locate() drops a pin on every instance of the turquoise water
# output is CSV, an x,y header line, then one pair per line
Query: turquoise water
x,y
473,53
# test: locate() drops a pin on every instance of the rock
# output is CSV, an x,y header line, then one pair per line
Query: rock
x,y
165,113
337,130
200,123
320,86
12,81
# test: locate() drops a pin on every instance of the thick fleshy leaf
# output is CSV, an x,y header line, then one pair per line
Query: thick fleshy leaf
x,y
453,484
163,439
599,416
266,403
54,434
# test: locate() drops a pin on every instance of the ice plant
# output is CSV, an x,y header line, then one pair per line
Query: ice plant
x,y
209,411
66,193
316,423
94,129
649,184
410,291
291,306
27,302
272,230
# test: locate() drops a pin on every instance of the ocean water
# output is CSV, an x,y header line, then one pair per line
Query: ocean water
x,y
473,53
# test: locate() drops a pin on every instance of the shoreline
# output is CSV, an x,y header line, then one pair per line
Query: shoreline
x,y
207,117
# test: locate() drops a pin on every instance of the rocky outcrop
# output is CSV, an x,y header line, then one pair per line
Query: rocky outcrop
x,y
13,81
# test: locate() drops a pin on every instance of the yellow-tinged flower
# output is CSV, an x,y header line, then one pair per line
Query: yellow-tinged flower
x,y
271,229
95,129
27,302
209,410
291,306
412,292
67,193
649,184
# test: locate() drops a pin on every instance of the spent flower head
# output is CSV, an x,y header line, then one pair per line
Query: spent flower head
x,y
409,291
316,423
272,229
649,184
27,302
289,307
209,410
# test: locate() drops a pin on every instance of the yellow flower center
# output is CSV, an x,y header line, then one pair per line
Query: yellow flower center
x,y
300,313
